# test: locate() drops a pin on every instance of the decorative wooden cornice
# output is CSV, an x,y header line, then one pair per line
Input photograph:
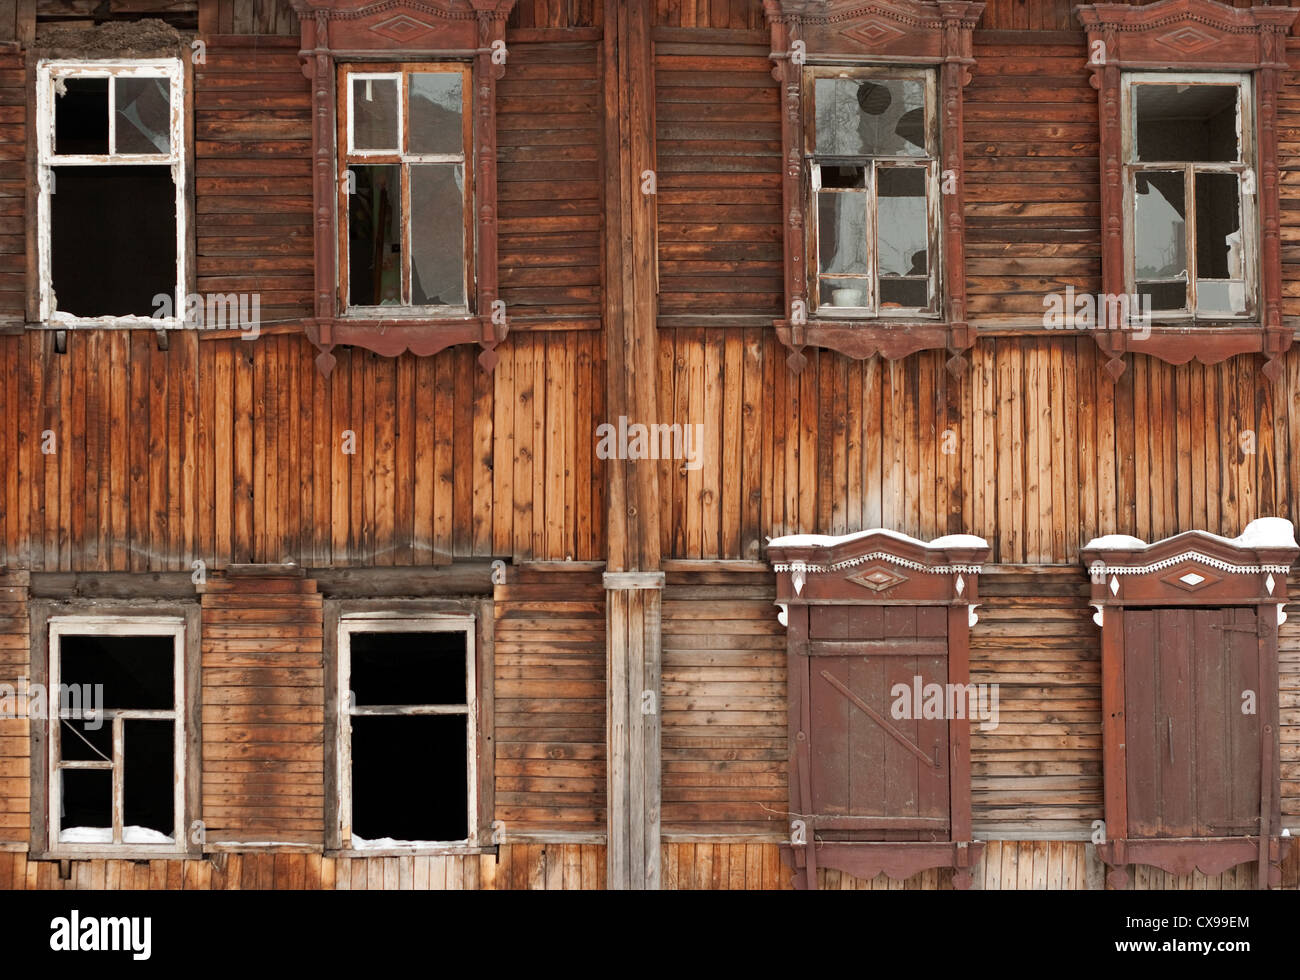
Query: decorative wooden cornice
x,y
1191,35
884,32
470,30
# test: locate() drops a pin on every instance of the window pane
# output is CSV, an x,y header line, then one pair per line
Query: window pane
x,y
1163,295
148,800
86,740
119,222
375,235
136,671
844,292
870,117
374,114
905,294
1191,123
438,234
1160,225
1218,227
81,116
410,778
87,798
436,104
143,114
902,227
842,232
408,668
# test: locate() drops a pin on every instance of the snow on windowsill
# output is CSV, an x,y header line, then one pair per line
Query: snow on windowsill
x,y
830,540
104,835
1265,532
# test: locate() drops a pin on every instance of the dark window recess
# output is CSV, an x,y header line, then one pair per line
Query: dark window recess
x,y
136,671
149,769
87,796
408,668
113,239
409,778
375,235
81,117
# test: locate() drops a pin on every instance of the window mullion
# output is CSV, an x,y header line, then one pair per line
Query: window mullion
x,y
119,778
1189,208
871,175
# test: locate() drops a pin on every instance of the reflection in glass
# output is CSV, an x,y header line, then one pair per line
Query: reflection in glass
x,y
901,224
143,115
1192,123
870,117
437,234
435,114
842,232
374,114
1160,230
375,236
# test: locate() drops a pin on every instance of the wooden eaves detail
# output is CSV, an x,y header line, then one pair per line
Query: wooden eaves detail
x,y
1210,576
870,794
1193,36
874,32
397,30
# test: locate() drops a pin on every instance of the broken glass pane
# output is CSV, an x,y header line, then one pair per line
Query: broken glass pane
x,y
80,742
143,115
845,177
902,228
374,114
87,801
81,116
120,222
375,235
1218,227
408,668
1193,123
148,788
870,117
1160,225
1163,295
436,106
842,232
135,671
410,778
437,234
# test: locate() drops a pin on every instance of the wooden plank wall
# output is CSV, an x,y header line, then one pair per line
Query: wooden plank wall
x,y
254,17
13,186
549,648
15,733
263,711
724,737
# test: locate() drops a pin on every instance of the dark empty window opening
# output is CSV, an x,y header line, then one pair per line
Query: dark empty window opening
x,y
111,183
116,735
406,701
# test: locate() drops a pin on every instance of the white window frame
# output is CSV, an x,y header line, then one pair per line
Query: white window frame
x,y
931,162
380,622
1243,81
48,75
173,626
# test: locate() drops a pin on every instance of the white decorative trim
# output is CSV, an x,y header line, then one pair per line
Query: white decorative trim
x,y
812,569
971,618
1099,617
1281,614
1217,563
1269,584
961,584
798,575
783,617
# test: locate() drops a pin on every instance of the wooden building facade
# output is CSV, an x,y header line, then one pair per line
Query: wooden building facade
x,y
655,217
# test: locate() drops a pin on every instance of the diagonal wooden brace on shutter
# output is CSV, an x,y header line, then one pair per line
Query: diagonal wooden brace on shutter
x,y
880,720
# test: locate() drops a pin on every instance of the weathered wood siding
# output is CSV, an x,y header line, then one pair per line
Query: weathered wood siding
x,y
13,185
15,733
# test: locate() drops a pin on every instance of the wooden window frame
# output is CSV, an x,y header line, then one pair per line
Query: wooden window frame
x,y
898,34
1190,570
51,619
472,616
339,33
41,301
873,165
348,156
879,568
1201,37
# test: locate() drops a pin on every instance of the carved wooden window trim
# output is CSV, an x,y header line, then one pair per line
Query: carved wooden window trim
x,y
887,571
882,33
355,32
1197,36
1190,570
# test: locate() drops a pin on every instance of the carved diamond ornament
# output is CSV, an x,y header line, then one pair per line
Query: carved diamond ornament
x,y
1191,579
874,33
403,27
1190,40
878,578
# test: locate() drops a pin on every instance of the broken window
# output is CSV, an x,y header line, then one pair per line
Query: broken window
x,y
1191,186
407,745
116,731
111,191
875,184
406,190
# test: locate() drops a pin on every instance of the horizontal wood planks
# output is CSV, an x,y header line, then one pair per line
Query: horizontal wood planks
x,y
15,732
549,648
263,711
13,187
255,17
